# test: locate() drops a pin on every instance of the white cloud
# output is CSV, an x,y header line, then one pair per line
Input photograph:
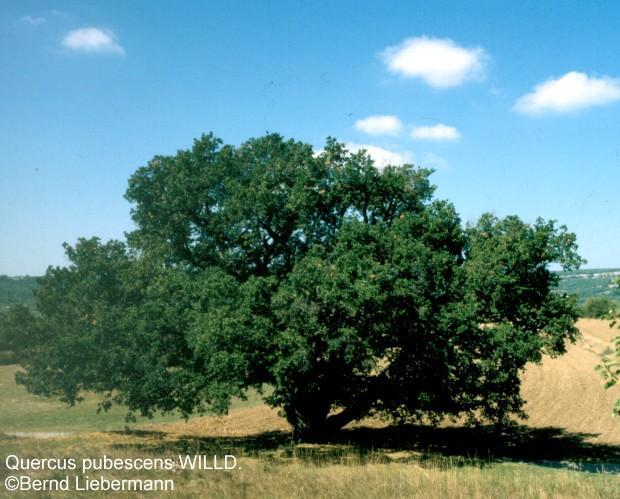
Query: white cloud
x,y
382,157
432,160
435,132
380,125
571,92
32,20
439,62
61,13
92,40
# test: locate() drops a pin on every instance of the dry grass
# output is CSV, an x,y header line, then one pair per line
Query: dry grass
x,y
283,470
240,422
567,392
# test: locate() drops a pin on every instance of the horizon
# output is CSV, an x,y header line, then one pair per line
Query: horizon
x,y
587,269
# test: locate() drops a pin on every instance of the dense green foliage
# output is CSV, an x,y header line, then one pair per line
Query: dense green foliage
x,y
585,283
348,289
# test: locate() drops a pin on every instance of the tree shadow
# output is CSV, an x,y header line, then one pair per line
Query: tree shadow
x,y
518,442
438,447
159,441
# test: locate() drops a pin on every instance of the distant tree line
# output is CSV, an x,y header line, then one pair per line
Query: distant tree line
x,y
16,296
16,291
16,333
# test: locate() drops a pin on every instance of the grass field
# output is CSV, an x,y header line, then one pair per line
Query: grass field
x,y
274,468
570,425
22,412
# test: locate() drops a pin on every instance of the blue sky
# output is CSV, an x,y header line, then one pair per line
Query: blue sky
x,y
515,104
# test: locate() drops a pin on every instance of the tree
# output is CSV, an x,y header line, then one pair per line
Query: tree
x,y
346,288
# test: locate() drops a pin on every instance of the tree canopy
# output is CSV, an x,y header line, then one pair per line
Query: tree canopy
x,y
346,288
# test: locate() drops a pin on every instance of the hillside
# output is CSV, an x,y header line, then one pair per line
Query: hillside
x,y
588,283
567,391
16,290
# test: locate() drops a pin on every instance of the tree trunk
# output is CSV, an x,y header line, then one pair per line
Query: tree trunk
x,y
311,424
309,415
347,415
308,421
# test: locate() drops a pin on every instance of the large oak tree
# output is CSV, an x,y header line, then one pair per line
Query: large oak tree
x,y
345,288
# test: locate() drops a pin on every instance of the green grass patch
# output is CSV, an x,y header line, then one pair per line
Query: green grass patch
x,y
21,411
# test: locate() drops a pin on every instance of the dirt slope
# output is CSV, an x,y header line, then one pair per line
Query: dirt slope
x,y
566,392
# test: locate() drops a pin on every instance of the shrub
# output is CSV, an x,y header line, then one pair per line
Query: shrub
x,y
599,307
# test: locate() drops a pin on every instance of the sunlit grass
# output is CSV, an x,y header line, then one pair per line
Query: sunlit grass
x,y
23,412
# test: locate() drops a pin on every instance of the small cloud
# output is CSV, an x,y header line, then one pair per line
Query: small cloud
x,y
572,92
32,21
382,157
92,40
439,62
437,133
60,13
380,125
435,161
